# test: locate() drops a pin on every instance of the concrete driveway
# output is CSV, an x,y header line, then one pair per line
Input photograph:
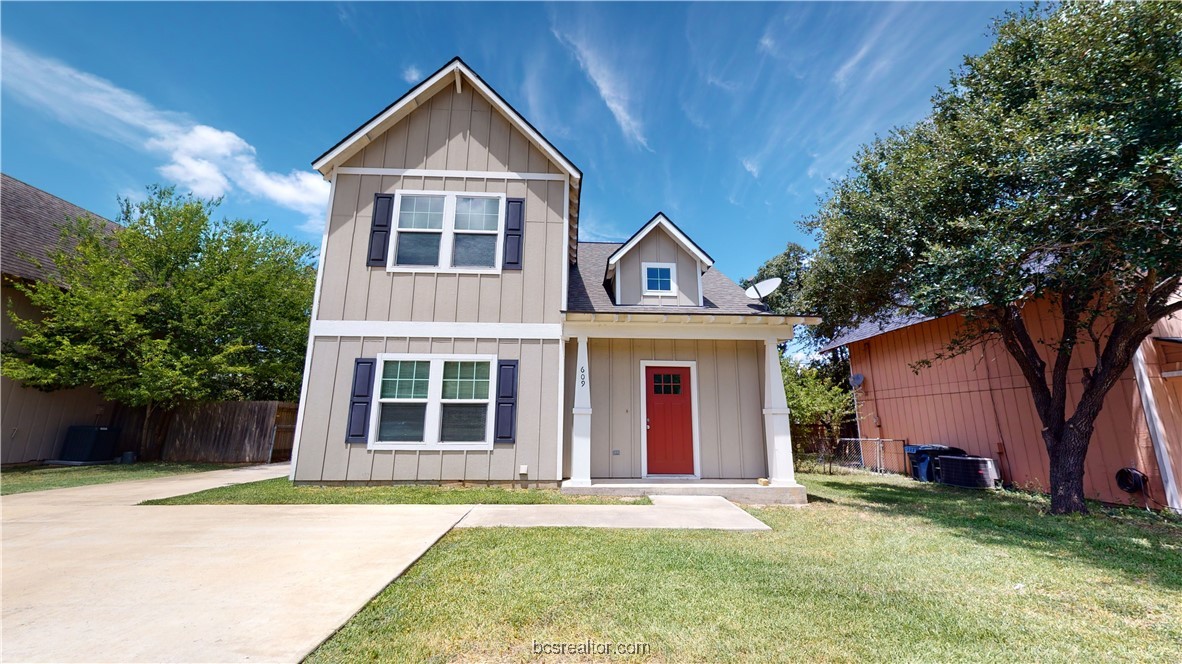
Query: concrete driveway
x,y
89,576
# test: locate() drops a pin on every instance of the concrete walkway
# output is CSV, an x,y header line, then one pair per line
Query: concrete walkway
x,y
685,512
89,575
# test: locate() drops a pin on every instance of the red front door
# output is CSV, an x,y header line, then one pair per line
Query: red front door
x,y
670,421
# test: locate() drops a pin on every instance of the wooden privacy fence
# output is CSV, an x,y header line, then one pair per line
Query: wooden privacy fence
x,y
231,432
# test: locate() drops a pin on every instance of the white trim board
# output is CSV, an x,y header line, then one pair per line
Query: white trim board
x,y
444,173
299,425
694,415
677,329
434,329
1161,447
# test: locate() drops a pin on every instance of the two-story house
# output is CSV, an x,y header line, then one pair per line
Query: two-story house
x,y
461,332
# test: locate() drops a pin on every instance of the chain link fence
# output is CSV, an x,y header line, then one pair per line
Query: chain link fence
x,y
818,452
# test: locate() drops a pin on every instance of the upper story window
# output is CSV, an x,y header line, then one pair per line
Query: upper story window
x,y
659,278
447,231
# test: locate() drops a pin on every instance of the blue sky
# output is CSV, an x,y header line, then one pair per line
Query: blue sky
x,y
730,118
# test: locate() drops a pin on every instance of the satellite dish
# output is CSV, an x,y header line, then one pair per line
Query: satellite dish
x,y
763,288
857,379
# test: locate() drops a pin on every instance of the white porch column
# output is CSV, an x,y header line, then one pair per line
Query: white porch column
x,y
776,425
580,448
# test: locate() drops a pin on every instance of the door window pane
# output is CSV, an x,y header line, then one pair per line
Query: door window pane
x,y
421,212
405,380
477,214
666,383
463,423
402,422
465,380
417,249
475,250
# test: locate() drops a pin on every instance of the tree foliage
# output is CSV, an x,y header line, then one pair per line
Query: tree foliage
x,y
173,307
1050,169
818,399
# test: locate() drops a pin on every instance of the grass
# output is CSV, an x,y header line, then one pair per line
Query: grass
x,y
22,479
280,491
875,568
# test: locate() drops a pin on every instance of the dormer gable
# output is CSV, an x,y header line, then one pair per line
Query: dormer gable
x,y
658,265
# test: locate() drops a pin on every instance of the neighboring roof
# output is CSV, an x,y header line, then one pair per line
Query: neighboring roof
x,y
30,226
429,87
659,220
873,328
588,293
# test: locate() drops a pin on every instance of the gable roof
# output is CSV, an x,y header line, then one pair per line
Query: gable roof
x,y
31,227
401,107
453,72
659,220
587,291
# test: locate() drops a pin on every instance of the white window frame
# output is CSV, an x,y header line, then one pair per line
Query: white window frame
x,y
672,292
432,425
447,241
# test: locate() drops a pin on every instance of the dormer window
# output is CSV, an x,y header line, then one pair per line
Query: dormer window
x,y
660,278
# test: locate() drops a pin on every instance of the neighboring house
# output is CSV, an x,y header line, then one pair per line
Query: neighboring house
x,y
33,423
981,403
461,332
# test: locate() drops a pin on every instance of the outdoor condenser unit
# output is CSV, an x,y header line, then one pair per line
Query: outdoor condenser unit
x,y
969,472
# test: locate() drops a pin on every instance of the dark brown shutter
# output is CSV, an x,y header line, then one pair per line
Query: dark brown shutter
x,y
360,400
505,428
379,230
514,233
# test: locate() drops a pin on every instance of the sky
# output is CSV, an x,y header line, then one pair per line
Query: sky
x,y
732,119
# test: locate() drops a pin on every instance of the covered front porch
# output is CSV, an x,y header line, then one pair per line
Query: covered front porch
x,y
678,405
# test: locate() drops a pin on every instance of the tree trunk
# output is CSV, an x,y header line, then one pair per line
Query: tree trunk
x,y
1067,455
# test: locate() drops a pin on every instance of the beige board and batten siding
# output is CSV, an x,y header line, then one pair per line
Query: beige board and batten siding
x,y
324,456
657,247
35,422
458,132
729,402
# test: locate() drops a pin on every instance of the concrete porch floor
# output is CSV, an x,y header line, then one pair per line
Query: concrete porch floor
x,y
739,490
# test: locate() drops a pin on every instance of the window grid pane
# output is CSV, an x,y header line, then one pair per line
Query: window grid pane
x,y
477,214
659,279
465,380
421,212
405,379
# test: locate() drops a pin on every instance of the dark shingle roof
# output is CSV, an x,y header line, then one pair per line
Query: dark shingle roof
x,y
30,226
873,328
588,294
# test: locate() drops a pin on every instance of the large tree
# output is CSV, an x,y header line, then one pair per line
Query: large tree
x,y
170,308
1050,169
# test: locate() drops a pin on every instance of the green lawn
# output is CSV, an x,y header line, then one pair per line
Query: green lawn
x,y
879,569
280,491
21,479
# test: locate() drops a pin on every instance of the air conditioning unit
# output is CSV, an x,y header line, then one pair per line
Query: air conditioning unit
x,y
968,472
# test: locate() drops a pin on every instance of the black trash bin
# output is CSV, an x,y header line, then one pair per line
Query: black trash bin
x,y
923,459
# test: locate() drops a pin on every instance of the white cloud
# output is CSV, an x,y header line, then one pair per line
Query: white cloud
x,y
412,74
207,161
751,166
767,45
841,77
591,230
612,87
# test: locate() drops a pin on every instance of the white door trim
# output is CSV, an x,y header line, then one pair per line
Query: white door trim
x,y
693,367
